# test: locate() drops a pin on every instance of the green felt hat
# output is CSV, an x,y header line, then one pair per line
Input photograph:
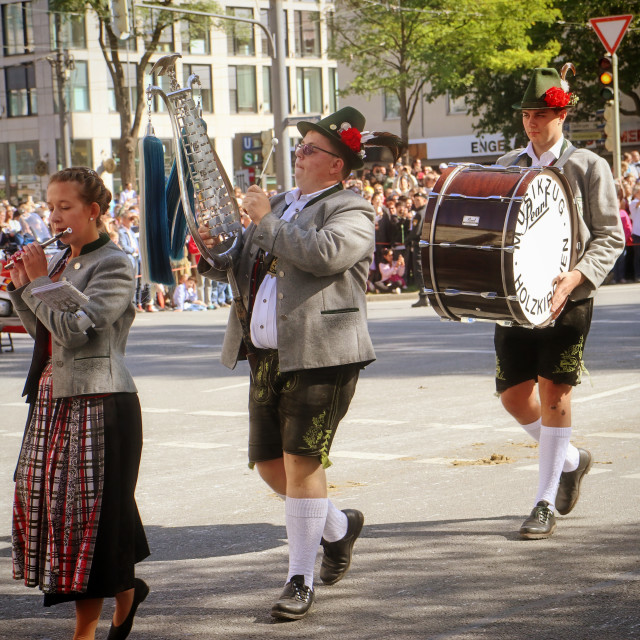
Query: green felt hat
x,y
335,127
544,79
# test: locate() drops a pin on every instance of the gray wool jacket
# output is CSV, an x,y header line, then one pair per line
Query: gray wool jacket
x,y
90,362
323,255
599,225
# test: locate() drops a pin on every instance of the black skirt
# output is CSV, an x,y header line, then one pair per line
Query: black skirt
x,y
121,541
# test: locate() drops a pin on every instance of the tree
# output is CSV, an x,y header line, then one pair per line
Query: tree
x,y
150,27
491,95
420,49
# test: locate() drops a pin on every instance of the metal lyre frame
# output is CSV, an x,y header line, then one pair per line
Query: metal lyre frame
x,y
215,207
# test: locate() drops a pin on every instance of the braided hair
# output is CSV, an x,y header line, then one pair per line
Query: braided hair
x,y
92,188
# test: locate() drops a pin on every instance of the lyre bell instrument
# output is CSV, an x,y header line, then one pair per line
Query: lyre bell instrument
x,y
44,245
215,207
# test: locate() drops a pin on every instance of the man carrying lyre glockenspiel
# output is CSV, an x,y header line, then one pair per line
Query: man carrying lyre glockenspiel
x,y
552,356
302,273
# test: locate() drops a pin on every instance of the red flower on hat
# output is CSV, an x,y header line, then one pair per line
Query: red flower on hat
x,y
352,138
555,97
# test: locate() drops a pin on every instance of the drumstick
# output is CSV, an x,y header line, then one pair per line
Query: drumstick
x,y
44,245
274,142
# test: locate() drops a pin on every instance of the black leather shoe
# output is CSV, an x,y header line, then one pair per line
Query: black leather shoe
x,y
141,591
337,555
295,600
540,524
422,302
569,487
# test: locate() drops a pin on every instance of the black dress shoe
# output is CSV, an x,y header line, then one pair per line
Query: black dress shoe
x,y
569,487
337,555
422,302
540,524
141,591
295,600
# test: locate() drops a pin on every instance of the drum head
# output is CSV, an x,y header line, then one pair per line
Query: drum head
x,y
543,245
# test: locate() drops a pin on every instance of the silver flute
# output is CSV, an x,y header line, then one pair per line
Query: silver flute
x,y
44,244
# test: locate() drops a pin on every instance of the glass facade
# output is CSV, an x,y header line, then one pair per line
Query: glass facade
x,y
309,89
17,28
240,38
242,89
306,25
204,90
22,98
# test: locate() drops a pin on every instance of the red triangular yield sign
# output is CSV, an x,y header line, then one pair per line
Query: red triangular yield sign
x,y
610,30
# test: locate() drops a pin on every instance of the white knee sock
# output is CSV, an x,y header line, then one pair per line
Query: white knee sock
x,y
573,455
335,527
305,519
554,442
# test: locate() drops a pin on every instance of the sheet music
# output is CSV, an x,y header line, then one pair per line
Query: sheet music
x,y
60,296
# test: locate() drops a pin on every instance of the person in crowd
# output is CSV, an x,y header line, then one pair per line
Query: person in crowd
x,y
302,272
550,358
634,214
413,241
128,195
185,296
77,534
620,268
37,224
391,269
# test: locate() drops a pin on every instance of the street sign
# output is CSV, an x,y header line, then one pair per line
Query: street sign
x,y
610,30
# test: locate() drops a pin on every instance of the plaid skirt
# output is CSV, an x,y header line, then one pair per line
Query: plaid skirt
x,y
64,493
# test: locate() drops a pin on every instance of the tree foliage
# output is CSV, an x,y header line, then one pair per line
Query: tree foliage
x,y
419,49
148,27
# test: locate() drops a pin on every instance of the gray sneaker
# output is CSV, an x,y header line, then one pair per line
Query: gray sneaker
x,y
569,487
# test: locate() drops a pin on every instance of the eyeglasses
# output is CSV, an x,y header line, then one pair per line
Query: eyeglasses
x,y
308,149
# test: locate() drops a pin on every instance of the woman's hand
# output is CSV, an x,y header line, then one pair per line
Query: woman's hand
x,y
34,261
19,275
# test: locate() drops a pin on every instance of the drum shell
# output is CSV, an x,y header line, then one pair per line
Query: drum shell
x,y
491,198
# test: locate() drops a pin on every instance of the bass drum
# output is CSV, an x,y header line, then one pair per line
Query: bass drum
x,y
493,240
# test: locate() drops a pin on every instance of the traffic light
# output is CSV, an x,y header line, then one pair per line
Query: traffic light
x,y
609,126
606,77
120,18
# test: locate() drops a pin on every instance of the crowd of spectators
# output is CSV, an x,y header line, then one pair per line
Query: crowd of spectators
x,y
396,192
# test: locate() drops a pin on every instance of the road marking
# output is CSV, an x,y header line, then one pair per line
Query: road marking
x,y
231,386
446,461
152,410
469,427
606,394
193,445
220,414
635,476
512,430
361,455
623,435
13,434
373,421
14,404
534,467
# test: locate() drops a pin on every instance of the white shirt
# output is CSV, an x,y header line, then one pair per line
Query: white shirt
x,y
548,157
264,328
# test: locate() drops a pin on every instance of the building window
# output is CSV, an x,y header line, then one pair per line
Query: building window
x,y
129,82
196,39
240,38
309,90
456,106
306,26
81,153
78,88
242,90
333,90
17,28
264,41
391,106
204,89
266,89
72,35
22,160
22,99
166,42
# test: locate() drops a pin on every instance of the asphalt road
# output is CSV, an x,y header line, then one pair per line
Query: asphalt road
x,y
439,557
